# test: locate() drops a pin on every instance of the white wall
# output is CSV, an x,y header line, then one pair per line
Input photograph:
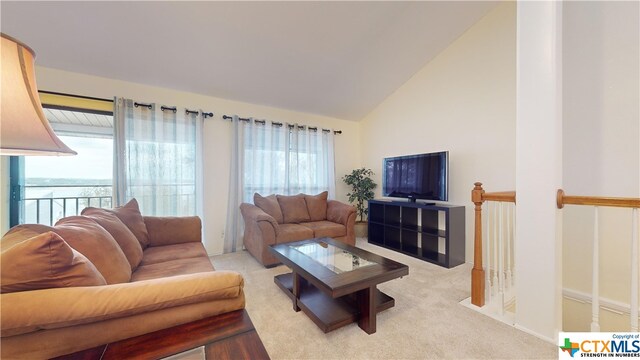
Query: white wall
x,y
462,101
217,134
601,147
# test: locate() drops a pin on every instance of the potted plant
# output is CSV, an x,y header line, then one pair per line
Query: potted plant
x,y
361,191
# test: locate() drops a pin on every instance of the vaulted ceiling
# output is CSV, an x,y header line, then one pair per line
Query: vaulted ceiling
x,y
338,59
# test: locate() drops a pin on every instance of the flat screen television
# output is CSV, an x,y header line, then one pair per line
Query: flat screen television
x,y
423,176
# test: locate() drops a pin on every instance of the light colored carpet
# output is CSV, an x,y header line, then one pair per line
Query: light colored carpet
x,y
426,322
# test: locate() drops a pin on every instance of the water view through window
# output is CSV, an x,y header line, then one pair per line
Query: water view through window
x,y
58,186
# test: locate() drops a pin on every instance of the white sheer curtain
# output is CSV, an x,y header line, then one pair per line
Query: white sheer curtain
x,y
157,158
271,158
311,161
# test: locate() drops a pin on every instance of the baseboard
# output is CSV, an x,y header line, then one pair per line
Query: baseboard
x,y
509,320
606,304
539,336
507,317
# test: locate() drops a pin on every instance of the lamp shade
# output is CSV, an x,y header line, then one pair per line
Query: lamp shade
x,y
24,129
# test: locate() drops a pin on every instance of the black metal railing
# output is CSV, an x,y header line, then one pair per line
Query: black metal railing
x,y
46,204
49,209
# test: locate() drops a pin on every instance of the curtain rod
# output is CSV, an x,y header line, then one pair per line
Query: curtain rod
x,y
273,123
174,109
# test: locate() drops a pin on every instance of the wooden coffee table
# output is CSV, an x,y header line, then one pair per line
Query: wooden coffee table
x,y
227,336
335,283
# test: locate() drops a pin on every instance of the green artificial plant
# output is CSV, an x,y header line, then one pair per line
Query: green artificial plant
x,y
361,189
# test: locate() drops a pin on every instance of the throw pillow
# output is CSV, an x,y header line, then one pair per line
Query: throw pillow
x,y
124,237
269,204
294,208
44,261
317,206
20,233
130,215
93,241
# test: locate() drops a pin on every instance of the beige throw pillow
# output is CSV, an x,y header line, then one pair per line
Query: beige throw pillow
x,y
43,261
130,215
294,208
93,241
20,233
317,206
269,204
124,237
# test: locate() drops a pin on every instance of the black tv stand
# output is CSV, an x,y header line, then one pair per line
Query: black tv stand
x,y
430,232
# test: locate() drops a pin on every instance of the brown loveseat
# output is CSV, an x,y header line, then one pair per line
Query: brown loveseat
x,y
106,276
278,219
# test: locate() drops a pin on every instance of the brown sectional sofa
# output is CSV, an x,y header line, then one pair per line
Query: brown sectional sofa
x,y
75,286
277,219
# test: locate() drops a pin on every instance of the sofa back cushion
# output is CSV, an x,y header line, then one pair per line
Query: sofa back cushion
x,y
269,204
128,242
317,206
93,241
41,261
294,208
130,215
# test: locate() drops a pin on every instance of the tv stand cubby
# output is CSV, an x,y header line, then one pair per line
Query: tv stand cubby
x,y
433,233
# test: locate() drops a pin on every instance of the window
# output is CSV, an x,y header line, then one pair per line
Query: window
x,y
286,160
56,187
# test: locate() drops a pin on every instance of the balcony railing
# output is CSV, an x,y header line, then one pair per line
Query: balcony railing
x,y
46,204
46,209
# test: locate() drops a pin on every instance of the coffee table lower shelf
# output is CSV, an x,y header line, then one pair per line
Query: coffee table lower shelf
x,y
326,312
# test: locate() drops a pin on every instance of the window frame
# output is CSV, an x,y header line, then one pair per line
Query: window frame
x,y
49,100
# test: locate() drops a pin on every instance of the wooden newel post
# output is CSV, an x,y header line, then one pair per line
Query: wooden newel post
x,y
477,273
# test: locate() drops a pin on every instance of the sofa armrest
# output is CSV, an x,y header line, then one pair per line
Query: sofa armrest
x,y
28,311
340,213
252,213
164,230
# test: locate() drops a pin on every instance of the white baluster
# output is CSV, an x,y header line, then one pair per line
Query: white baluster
x,y
501,256
487,253
513,242
495,250
509,242
634,270
595,296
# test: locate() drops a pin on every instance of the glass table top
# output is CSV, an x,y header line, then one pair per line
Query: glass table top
x,y
332,257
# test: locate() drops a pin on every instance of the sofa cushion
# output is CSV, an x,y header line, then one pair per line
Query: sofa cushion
x,y
294,208
293,232
326,229
317,206
124,237
172,268
169,230
269,204
130,215
20,233
42,261
157,254
93,241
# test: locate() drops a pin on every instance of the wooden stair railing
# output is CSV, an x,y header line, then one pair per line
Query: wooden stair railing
x,y
478,197
597,201
562,200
